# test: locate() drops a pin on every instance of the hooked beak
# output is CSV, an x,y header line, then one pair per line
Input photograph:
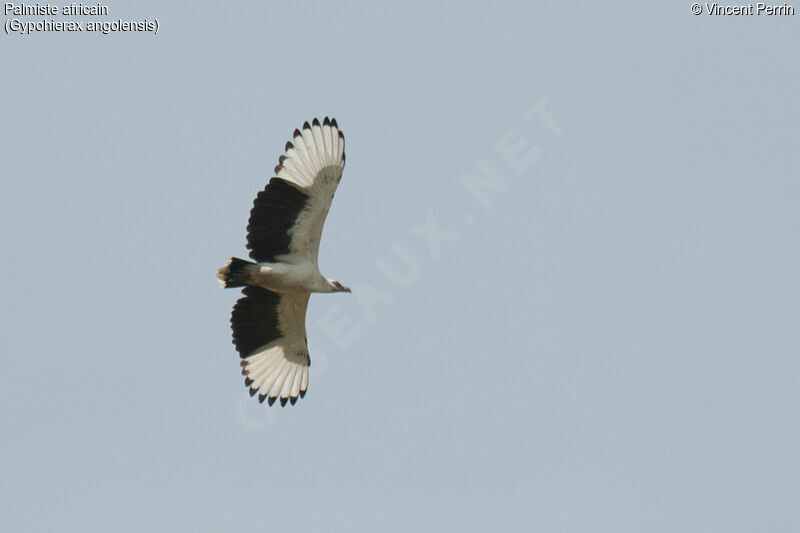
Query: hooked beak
x,y
339,287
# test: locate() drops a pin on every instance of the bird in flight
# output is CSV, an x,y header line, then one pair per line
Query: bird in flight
x,y
283,233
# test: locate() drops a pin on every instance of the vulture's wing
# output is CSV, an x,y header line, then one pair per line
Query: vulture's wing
x,y
269,331
287,216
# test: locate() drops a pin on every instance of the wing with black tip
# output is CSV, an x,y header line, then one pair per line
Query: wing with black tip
x,y
269,331
287,217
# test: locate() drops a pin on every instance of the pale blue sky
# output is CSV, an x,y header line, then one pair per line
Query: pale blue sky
x,y
603,336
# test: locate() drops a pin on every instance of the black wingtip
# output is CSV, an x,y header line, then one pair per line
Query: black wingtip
x,y
262,398
279,166
341,135
253,393
289,145
284,401
293,400
326,122
302,394
334,124
315,122
306,125
271,400
248,382
297,133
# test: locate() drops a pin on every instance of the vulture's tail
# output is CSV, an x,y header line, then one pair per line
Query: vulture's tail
x,y
236,272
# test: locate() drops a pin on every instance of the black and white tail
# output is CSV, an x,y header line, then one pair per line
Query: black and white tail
x,y
236,272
